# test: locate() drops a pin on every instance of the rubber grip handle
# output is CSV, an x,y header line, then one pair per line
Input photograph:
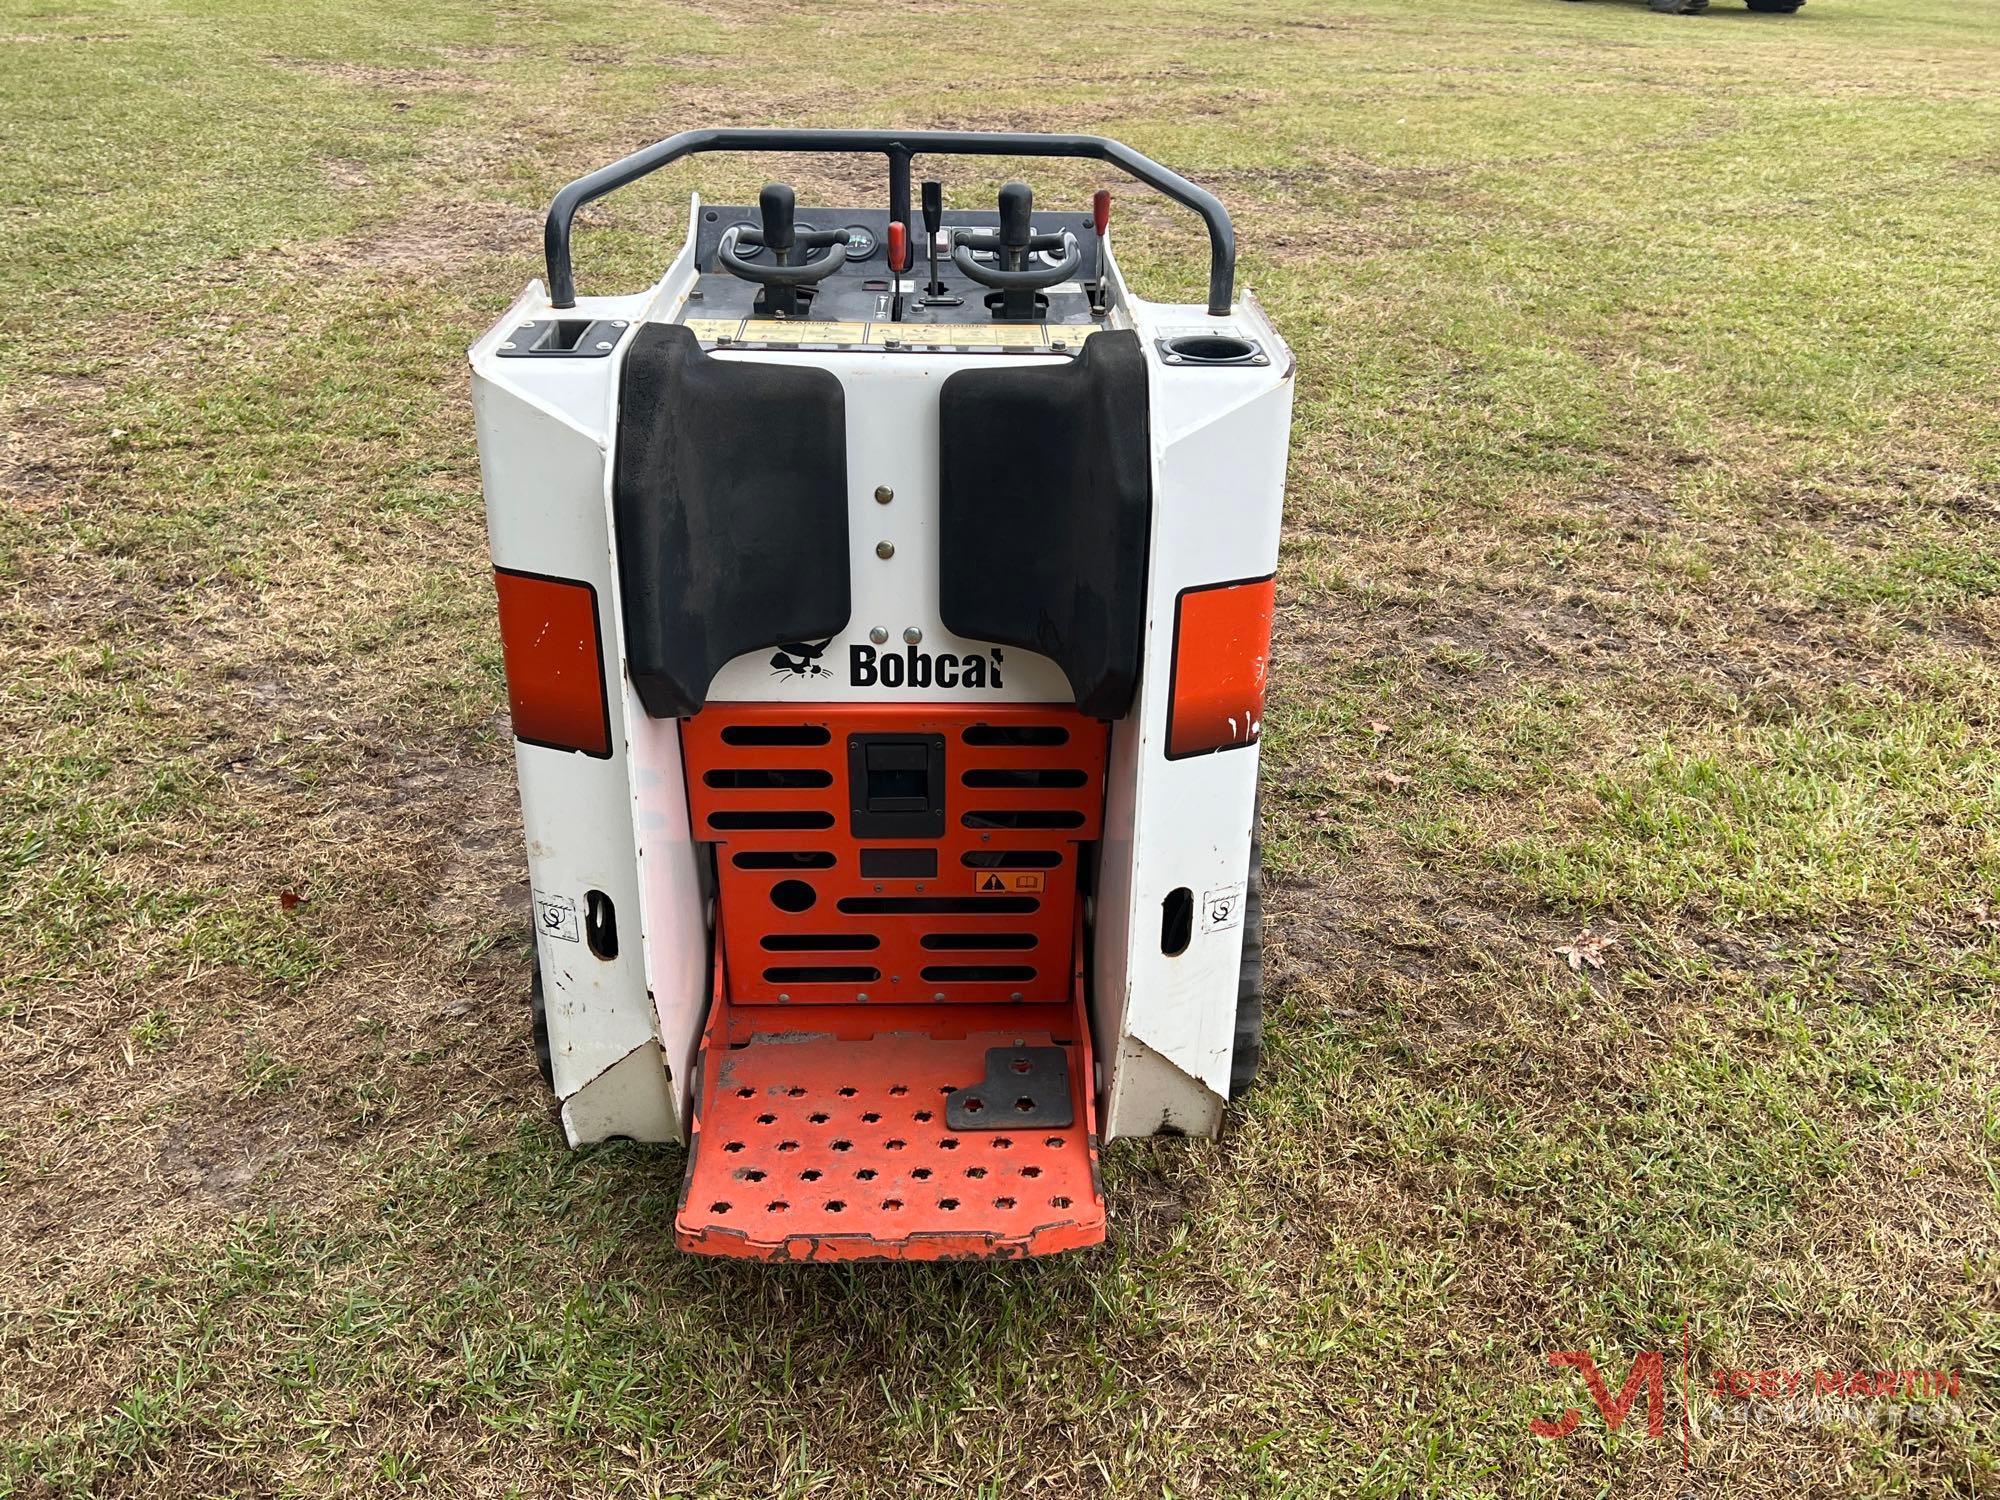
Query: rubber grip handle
x,y
1017,209
776,206
933,208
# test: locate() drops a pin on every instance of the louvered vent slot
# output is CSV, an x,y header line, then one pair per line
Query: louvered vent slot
x,y
1024,779
1014,735
729,822
1029,817
758,779
783,859
937,906
1010,859
776,734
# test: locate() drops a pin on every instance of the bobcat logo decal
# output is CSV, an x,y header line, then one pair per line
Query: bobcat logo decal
x,y
799,659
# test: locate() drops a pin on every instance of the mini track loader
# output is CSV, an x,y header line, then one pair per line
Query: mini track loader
x,y
885,596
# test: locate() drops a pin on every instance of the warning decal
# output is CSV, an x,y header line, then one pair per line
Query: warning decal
x,y
711,329
948,335
873,334
802,331
1007,882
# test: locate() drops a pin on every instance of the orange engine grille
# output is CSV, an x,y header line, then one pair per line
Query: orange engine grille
x,y
982,911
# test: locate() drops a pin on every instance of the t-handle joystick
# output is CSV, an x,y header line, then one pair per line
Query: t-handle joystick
x,y
794,270
1017,286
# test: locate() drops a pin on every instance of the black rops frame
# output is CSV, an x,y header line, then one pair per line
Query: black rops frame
x,y
899,147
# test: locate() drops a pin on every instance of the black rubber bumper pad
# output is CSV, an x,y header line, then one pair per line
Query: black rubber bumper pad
x,y
730,495
1045,510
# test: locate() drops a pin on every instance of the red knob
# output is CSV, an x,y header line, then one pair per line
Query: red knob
x,y
1100,209
899,246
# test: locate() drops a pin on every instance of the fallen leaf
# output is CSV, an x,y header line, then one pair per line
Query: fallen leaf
x,y
290,900
1377,728
1391,781
1586,952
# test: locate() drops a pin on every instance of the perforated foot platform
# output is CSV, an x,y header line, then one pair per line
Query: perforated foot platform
x,y
813,1142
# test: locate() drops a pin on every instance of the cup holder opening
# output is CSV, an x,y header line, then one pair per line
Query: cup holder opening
x,y
1211,349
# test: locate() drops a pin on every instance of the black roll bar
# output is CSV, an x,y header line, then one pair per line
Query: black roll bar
x,y
899,147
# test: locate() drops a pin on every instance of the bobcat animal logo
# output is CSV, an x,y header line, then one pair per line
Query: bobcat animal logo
x,y
799,659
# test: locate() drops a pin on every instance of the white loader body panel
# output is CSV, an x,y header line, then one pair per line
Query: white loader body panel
x,y
612,831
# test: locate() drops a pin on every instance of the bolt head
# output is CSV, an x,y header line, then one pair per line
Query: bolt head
x,y
883,494
885,550
913,635
878,635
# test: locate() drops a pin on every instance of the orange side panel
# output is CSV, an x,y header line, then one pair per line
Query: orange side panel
x,y
550,640
1222,651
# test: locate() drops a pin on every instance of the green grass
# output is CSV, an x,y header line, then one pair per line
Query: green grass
x,y
1639,576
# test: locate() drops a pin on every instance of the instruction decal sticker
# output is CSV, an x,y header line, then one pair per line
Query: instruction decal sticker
x,y
1222,909
556,917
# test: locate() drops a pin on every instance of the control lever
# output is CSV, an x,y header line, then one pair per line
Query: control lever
x,y
781,282
1100,220
935,294
899,262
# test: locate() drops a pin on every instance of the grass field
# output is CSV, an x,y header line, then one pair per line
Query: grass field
x,y
1642,576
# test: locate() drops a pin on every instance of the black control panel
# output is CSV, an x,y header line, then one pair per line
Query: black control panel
x,y
1013,265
